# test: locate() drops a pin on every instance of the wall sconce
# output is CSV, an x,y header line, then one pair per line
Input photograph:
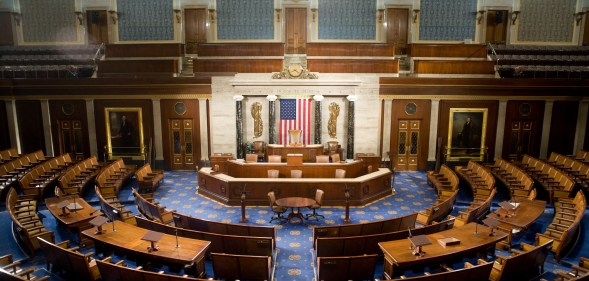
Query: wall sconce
x,y
212,15
514,16
579,17
113,16
278,14
178,15
79,16
415,15
16,17
480,15
380,15
314,13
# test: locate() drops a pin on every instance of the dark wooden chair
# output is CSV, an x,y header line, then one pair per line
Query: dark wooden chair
x,y
346,268
278,210
242,267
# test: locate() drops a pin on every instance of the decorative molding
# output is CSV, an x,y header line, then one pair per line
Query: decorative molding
x,y
79,16
480,16
514,16
178,13
278,12
294,71
114,16
16,17
579,17
212,15
415,15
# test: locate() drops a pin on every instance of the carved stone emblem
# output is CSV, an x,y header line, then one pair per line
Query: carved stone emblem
x,y
294,71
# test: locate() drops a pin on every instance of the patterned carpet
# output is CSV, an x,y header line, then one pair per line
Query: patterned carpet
x,y
294,247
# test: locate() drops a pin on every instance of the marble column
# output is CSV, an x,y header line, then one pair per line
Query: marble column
x,y
271,118
433,132
318,99
46,116
204,130
239,126
92,127
546,129
500,129
158,141
350,146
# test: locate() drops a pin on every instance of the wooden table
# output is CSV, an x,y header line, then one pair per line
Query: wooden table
x,y
308,151
399,257
295,202
127,239
527,212
75,219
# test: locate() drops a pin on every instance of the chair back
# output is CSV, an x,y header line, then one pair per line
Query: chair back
x,y
259,147
319,196
322,158
273,173
274,158
271,198
332,147
295,136
340,173
335,158
296,173
251,158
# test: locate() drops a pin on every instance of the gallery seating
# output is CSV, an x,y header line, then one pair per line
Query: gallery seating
x,y
242,267
477,176
346,268
382,226
8,154
67,259
148,179
523,264
574,168
443,180
568,213
40,177
220,243
555,182
151,209
519,183
111,271
26,225
480,271
78,176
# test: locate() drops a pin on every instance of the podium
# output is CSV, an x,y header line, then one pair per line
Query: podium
x,y
63,205
507,209
98,222
152,237
294,159
492,223
418,242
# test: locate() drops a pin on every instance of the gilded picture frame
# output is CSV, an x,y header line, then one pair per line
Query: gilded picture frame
x,y
124,132
467,129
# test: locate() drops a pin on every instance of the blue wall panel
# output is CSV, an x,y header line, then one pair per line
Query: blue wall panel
x,y
347,19
145,20
448,20
245,19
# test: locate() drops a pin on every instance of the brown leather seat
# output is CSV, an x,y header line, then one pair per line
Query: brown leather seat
x,y
340,173
259,148
274,158
316,205
278,210
251,158
273,173
335,158
322,158
296,173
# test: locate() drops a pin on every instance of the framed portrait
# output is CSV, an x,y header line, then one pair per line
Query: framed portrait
x,y
124,132
466,133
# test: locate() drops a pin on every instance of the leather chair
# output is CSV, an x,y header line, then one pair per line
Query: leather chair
x,y
251,158
273,174
296,173
316,205
322,158
332,147
295,137
335,158
259,148
274,158
340,173
278,210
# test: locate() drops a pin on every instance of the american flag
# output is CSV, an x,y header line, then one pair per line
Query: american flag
x,y
295,114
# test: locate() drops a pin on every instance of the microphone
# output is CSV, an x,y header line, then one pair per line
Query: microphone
x,y
176,232
410,235
92,213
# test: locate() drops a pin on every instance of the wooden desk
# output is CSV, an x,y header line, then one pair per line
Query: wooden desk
x,y
526,213
295,202
398,256
127,239
74,219
308,151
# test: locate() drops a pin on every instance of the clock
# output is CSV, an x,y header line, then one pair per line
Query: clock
x,y
295,69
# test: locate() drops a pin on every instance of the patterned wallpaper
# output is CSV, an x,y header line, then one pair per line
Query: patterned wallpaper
x,y
347,19
245,19
48,21
546,20
145,20
447,20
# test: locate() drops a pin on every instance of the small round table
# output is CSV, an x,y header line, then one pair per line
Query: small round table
x,y
295,202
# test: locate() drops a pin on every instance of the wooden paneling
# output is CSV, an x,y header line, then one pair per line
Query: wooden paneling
x,y
448,50
138,66
242,66
423,113
195,22
6,35
586,142
350,49
536,116
241,49
353,66
79,113
147,120
30,124
4,131
444,118
397,29
192,112
144,50
496,26
296,30
562,127
586,32
97,25
453,67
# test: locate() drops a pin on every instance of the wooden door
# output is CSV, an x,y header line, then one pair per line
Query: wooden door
x,y
496,27
182,144
397,29
521,139
6,35
97,24
71,138
195,32
296,30
586,31
408,150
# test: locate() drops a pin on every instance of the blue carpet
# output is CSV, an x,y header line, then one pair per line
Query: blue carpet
x,y
294,246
